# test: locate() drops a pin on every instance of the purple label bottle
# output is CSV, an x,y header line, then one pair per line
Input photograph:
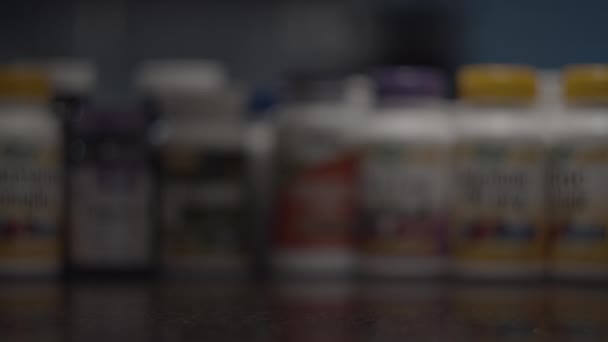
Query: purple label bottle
x,y
111,191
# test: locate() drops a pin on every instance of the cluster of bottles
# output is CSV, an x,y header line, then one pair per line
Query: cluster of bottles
x,y
91,190
499,184
379,175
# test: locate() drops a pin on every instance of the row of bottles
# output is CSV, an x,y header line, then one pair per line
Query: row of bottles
x,y
495,185
161,181
392,182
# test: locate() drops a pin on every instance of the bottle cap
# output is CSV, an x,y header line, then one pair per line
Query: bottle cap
x,y
406,81
587,83
68,76
24,84
497,83
181,76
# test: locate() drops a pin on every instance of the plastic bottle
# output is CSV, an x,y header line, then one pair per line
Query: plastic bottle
x,y
30,175
578,176
498,223
316,196
404,174
202,168
111,189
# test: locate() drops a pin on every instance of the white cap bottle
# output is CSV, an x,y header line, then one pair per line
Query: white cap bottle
x,y
316,196
202,167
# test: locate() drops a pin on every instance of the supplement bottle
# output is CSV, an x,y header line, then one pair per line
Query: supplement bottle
x,y
111,191
403,174
498,228
578,176
30,175
316,196
202,168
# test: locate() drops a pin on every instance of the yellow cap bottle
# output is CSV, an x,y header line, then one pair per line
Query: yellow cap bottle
x,y
586,83
496,83
497,224
17,83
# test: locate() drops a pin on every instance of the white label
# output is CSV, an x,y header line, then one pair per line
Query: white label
x,y
110,217
404,197
499,200
405,184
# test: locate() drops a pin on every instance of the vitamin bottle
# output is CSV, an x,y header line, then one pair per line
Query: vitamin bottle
x,y
30,175
498,226
202,168
403,176
111,190
316,195
578,176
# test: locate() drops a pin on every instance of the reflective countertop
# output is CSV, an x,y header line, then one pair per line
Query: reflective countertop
x,y
301,310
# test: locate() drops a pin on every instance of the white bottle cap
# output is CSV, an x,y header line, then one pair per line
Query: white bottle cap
x,y
176,76
68,75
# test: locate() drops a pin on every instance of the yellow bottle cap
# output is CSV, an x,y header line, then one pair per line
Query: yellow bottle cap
x,y
496,83
24,84
586,83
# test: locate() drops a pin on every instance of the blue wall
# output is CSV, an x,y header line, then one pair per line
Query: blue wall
x,y
542,32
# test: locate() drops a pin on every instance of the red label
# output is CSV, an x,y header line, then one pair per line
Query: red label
x,y
317,206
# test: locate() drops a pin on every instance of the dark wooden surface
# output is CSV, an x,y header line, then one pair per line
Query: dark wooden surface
x,y
205,310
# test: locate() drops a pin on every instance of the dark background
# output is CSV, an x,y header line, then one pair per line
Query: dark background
x,y
262,40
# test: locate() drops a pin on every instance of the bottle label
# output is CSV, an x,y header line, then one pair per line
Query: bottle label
x,y
203,204
316,198
404,199
30,204
111,209
499,201
578,193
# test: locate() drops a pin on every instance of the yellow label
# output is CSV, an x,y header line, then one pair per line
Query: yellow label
x,y
578,193
30,202
498,203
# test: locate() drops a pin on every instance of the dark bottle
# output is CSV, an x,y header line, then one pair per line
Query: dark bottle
x,y
111,191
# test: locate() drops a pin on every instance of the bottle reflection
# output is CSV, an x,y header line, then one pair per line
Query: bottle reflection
x,y
313,311
496,313
110,313
579,315
30,312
